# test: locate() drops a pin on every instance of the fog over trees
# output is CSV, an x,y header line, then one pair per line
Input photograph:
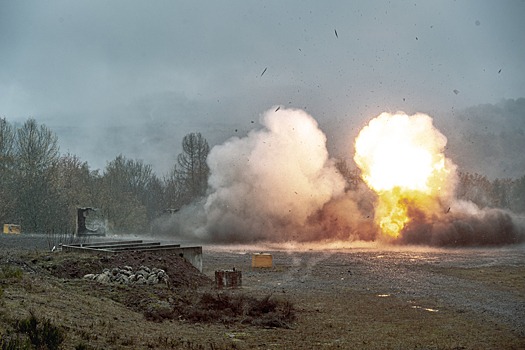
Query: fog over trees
x,y
487,139
41,189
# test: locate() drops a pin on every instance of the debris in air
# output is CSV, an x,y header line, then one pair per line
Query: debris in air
x,y
499,71
278,108
456,91
264,71
336,35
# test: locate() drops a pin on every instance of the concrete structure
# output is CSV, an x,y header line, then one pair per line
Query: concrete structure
x,y
82,229
192,254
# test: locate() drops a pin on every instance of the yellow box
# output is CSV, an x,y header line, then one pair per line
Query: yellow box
x,y
12,229
262,260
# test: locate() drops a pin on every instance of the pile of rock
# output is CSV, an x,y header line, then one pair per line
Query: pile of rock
x,y
126,275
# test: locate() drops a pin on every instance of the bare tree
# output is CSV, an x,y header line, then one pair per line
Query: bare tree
x,y
126,194
7,144
74,182
7,178
517,201
474,187
36,148
500,193
37,152
191,172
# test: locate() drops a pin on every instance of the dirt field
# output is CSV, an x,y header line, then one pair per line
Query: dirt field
x,y
353,298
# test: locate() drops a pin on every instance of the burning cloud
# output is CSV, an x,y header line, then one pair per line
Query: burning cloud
x,y
402,160
278,184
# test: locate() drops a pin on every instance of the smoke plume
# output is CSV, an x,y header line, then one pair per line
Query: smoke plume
x,y
464,224
278,184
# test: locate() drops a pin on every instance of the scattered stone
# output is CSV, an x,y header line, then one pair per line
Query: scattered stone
x,y
126,275
90,276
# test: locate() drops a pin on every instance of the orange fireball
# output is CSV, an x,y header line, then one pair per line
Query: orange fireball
x,y
401,159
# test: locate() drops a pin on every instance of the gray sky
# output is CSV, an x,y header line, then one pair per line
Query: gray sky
x,y
134,77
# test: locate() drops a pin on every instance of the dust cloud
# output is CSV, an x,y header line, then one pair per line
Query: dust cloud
x,y
278,184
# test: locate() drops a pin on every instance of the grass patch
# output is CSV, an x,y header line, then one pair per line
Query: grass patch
x,y
231,308
10,272
31,333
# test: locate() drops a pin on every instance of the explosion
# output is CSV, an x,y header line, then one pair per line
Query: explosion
x,y
401,159
266,185
279,184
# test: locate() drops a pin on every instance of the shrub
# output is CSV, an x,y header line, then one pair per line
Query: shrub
x,y
41,334
14,342
226,308
10,272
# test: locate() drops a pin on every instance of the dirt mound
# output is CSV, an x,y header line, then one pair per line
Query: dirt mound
x,y
75,265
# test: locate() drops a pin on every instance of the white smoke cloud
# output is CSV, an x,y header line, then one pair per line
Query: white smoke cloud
x,y
278,184
267,185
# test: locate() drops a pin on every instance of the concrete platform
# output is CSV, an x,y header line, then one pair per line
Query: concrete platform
x,y
192,254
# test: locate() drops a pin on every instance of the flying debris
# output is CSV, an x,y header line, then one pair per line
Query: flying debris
x,y
499,71
278,108
336,35
264,71
456,91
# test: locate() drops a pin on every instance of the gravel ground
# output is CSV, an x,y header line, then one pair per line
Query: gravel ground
x,y
407,273
425,278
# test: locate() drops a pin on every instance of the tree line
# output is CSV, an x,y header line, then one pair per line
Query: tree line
x,y
40,189
498,193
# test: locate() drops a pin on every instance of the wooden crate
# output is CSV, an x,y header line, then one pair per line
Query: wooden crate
x,y
263,260
11,229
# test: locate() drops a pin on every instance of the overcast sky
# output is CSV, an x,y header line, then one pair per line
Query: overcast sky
x,y
134,77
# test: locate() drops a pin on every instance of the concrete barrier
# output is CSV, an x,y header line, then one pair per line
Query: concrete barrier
x,y
192,254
